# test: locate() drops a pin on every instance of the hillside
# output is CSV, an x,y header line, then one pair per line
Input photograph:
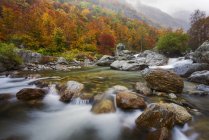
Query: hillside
x,y
162,18
51,27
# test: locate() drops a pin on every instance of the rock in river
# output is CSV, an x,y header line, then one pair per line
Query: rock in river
x,y
30,94
142,88
159,115
70,90
201,55
103,106
128,65
201,77
164,81
185,70
106,60
128,100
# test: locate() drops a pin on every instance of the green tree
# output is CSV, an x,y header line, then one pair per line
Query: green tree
x,y
59,39
173,43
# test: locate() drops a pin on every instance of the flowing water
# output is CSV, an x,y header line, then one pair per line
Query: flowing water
x,y
51,119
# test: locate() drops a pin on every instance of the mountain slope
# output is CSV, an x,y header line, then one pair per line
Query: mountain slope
x,y
161,17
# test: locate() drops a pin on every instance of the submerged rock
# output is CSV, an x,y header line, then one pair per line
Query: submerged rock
x,y
30,94
103,106
201,55
128,65
128,100
164,81
106,60
5,97
70,90
201,77
142,88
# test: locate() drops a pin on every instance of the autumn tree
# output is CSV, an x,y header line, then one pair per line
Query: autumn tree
x,y
199,31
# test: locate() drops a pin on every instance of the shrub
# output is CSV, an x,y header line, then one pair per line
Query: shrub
x,y
8,56
173,43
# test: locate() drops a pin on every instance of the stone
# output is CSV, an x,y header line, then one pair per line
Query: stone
x,y
62,60
201,77
106,60
70,90
30,94
152,58
119,88
203,88
128,100
130,65
142,88
103,106
185,70
201,55
172,96
164,81
159,115
156,117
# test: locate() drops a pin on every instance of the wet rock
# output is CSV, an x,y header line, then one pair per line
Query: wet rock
x,y
30,94
185,70
164,81
201,55
160,134
103,106
128,65
128,100
163,115
142,88
70,90
157,117
201,77
106,60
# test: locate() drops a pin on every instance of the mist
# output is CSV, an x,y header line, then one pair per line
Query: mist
x,y
173,7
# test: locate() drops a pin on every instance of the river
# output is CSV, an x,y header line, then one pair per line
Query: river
x,y
51,119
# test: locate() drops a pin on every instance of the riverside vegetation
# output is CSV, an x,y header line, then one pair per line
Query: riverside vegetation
x,y
66,75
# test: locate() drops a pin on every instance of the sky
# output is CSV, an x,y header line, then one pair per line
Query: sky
x,y
173,6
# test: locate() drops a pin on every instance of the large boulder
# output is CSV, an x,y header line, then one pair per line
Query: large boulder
x,y
128,65
103,106
156,117
128,100
106,60
152,58
185,70
201,55
164,81
30,94
159,115
201,77
70,90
